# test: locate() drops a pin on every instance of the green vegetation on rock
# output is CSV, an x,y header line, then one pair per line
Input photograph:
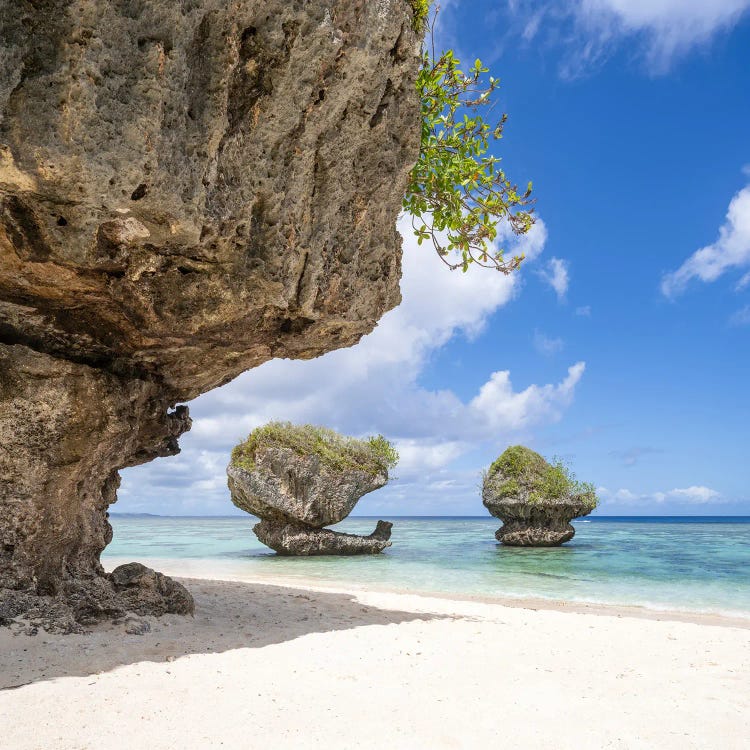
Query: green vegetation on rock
x,y
337,452
520,468
457,195
421,9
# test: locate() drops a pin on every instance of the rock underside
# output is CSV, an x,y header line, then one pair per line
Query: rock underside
x,y
296,539
295,496
547,526
187,190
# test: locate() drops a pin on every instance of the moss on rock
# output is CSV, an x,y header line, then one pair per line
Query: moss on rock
x,y
421,9
519,469
337,452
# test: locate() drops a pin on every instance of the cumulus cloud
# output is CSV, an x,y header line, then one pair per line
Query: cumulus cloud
x,y
694,495
730,250
555,273
498,408
373,387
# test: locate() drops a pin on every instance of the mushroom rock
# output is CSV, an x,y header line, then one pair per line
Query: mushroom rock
x,y
297,484
535,500
187,190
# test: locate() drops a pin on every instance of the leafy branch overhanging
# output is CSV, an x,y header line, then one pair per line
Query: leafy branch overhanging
x,y
458,194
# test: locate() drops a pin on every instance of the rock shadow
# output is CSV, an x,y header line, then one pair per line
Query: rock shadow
x,y
228,615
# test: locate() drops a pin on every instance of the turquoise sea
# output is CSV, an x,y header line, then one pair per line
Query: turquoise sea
x,y
684,563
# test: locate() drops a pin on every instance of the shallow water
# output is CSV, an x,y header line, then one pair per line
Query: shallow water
x,y
666,563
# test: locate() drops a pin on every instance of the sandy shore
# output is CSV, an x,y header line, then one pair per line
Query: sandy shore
x,y
281,666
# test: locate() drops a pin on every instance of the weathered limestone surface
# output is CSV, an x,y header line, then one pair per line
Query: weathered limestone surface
x,y
186,191
546,526
296,539
285,486
295,496
517,489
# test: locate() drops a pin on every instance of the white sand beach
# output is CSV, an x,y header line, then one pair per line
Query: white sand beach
x,y
280,666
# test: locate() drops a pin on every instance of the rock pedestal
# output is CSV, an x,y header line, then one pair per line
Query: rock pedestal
x,y
546,526
187,190
296,539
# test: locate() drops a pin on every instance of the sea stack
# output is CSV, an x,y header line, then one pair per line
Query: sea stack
x,y
535,500
298,479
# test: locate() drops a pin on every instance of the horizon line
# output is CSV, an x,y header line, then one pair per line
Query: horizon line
x,y
592,517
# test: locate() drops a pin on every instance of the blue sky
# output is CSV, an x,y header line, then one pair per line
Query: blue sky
x,y
623,344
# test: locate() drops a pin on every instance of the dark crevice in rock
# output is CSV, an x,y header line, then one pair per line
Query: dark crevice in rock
x,y
139,192
385,102
23,230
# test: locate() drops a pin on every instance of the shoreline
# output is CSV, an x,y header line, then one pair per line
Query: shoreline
x,y
289,666
176,569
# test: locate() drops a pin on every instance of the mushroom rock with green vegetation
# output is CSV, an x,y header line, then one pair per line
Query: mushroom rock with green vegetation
x,y
299,478
535,500
187,190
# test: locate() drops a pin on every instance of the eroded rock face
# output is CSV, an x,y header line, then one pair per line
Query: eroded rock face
x,y
546,526
533,499
81,602
186,191
296,539
295,496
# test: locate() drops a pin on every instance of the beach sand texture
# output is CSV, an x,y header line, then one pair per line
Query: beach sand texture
x,y
276,666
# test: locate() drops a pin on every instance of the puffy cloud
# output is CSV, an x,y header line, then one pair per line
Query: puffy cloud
x,y
555,273
694,495
731,250
373,387
500,408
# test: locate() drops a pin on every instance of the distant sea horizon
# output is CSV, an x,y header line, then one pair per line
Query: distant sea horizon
x,y
739,518
691,563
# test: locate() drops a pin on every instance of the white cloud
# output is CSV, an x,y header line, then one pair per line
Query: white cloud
x,y
584,311
672,27
374,387
547,345
555,273
501,409
694,495
588,32
731,250
743,282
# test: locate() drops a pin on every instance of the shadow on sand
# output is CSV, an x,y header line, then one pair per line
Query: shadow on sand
x,y
228,615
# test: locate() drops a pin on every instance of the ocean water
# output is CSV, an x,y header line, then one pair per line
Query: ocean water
x,y
695,564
